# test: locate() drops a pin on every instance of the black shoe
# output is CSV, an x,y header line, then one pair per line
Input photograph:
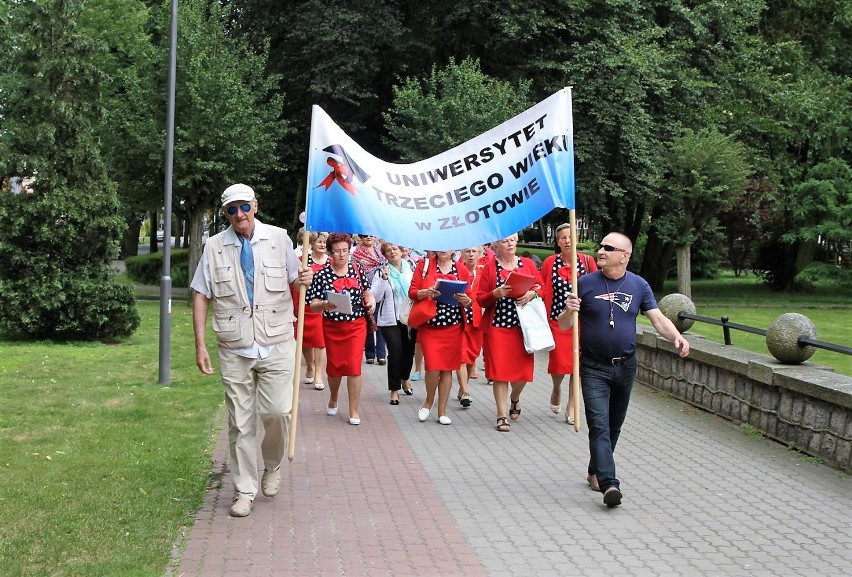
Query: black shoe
x,y
408,391
612,497
465,400
394,401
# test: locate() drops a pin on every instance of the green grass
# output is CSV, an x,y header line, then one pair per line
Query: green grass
x,y
101,465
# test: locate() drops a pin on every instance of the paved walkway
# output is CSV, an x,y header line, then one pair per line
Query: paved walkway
x,y
398,497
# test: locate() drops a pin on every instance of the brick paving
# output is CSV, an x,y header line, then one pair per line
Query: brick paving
x,y
394,496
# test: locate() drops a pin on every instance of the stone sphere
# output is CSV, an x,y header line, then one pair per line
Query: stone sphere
x,y
782,338
674,303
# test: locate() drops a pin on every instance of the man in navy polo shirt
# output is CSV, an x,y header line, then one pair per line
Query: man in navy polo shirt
x,y
608,302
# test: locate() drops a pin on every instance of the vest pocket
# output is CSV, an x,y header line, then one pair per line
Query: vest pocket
x,y
224,284
278,322
226,326
275,275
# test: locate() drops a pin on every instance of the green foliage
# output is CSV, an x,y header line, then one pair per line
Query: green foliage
x,y
57,238
705,172
452,105
822,209
148,269
53,267
826,274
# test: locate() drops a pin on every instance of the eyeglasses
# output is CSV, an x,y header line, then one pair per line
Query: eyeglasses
x,y
610,248
232,210
340,251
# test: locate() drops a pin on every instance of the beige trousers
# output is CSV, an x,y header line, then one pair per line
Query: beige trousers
x,y
257,388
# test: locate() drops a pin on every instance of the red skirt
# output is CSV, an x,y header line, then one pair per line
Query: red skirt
x,y
314,336
561,360
442,347
344,343
505,356
471,344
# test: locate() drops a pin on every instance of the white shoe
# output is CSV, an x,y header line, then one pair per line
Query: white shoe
x,y
423,414
241,507
554,409
354,421
445,420
331,411
319,386
569,416
309,380
270,482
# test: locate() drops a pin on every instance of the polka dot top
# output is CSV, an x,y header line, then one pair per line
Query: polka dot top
x,y
560,280
447,315
505,311
324,281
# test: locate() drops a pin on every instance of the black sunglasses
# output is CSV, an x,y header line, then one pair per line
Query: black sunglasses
x,y
610,248
232,210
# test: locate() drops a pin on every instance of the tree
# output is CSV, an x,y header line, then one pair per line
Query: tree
x,y
452,105
706,173
55,241
822,210
130,131
228,115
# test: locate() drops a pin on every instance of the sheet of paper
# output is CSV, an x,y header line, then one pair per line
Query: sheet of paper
x,y
342,301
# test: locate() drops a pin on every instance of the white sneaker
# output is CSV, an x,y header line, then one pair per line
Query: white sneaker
x,y
241,507
270,482
423,414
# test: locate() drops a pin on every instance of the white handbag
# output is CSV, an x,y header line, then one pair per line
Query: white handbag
x,y
533,319
407,304
404,311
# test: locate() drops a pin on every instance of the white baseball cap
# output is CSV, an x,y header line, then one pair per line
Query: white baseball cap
x,y
237,192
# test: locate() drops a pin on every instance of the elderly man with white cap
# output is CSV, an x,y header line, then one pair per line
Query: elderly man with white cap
x,y
246,272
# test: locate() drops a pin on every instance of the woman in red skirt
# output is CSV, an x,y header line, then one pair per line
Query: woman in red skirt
x,y
344,333
441,337
506,359
472,338
313,342
556,275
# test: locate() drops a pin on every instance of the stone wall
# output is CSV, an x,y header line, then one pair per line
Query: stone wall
x,y
807,406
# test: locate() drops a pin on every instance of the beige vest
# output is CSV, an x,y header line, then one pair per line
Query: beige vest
x,y
236,324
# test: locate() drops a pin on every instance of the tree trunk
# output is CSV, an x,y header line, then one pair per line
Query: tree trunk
x,y
130,239
804,253
152,239
653,268
195,225
684,269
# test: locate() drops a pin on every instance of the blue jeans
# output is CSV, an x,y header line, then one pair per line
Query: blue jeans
x,y
374,347
606,394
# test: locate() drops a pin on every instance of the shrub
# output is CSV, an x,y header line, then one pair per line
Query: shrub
x,y
823,274
147,269
54,274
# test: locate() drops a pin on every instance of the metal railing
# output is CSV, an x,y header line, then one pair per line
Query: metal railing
x,y
727,325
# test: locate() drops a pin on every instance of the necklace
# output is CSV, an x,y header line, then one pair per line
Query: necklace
x,y
612,299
